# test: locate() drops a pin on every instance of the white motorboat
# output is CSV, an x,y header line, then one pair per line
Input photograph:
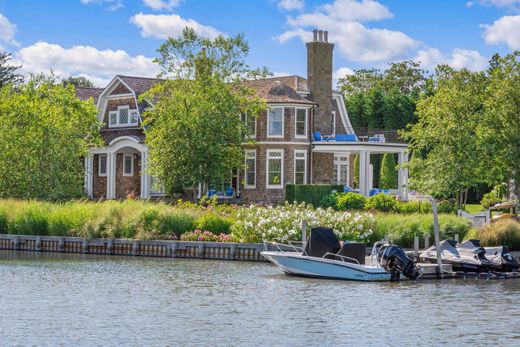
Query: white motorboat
x,y
324,257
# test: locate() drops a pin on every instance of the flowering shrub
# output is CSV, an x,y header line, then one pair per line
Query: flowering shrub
x,y
199,235
283,222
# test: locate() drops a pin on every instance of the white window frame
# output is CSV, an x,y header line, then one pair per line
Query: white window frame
x,y
334,123
304,158
131,174
338,163
101,174
253,135
267,157
269,118
249,154
296,122
118,124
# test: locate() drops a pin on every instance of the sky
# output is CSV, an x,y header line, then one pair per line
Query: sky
x,y
101,38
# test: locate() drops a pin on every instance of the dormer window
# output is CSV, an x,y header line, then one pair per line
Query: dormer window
x,y
123,117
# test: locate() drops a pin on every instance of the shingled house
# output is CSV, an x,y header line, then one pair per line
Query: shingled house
x,y
305,136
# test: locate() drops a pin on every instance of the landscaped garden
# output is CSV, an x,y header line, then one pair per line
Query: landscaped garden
x,y
214,222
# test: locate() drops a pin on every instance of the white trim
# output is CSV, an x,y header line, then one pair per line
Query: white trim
x,y
299,151
253,136
119,96
278,143
334,123
131,173
118,118
305,131
283,125
120,138
100,174
249,186
268,152
339,163
102,99
283,104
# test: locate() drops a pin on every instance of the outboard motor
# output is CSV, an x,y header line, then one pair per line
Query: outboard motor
x,y
394,260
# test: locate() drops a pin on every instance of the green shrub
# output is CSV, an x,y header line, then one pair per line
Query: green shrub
x,y
329,200
309,193
494,197
3,222
178,222
447,206
30,221
401,229
381,202
350,201
214,223
502,233
388,174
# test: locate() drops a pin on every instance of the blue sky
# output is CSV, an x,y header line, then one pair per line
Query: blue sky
x,y
100,38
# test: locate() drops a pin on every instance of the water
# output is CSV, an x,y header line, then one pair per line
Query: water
x,y
76,300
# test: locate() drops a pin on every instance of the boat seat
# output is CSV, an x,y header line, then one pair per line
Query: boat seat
x,y
355,250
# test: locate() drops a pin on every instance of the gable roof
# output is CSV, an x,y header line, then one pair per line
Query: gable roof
x,y
86,93
139,84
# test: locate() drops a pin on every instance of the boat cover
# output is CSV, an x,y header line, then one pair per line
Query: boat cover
x,y
321,241
450,255
499,256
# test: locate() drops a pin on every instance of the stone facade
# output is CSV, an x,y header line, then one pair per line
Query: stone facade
x,y
125,185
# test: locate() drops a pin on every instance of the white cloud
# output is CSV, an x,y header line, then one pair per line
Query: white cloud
x,y
291,5
494,3
159,5
100,66
341,73
356,42
7,31
113,5
165,25
504,30
459,58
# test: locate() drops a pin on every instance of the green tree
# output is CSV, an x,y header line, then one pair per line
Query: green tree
x,y
78,81
388,175
194,130
9,73
355,169
447,130
45,131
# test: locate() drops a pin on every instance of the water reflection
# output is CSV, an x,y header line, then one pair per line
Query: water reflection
x,y
47,299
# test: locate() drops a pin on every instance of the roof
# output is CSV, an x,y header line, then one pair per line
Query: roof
x,y
297,83
279,92
86,93
139,84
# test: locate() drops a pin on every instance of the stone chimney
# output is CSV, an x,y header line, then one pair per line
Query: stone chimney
x,y
319,79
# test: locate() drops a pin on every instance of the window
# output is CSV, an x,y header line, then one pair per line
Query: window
x,y
250,170
300,167
124,116
102,165
301,122
275,168
341,164
275,122
250,123
128,164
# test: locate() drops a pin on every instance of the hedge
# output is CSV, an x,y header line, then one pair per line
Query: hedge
x,y
309,193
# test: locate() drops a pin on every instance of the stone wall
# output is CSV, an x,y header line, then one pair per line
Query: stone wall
x,y
323,168
128,185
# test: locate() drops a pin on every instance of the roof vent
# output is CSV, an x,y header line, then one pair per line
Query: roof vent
x,y
320,36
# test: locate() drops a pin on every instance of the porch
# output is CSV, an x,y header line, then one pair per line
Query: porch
x,y
365,145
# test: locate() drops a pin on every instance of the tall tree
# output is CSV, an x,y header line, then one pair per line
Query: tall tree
x,y
9,73
447,130
78,81
45,130
388,176
194,130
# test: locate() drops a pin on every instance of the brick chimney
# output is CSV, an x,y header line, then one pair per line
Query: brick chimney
x,y
319,79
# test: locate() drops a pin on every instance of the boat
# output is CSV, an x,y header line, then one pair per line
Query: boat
x,y
499,256
466,259
325,257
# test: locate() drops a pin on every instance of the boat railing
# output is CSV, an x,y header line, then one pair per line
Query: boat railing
x,y
283,247
373,254
342,257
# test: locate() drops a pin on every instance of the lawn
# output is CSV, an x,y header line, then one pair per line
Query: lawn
x,y
473,208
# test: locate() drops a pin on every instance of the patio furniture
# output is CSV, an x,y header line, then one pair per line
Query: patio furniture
x,y
230,191
346,137
318,137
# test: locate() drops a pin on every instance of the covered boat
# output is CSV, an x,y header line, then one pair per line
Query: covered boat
x,y
461,259
499,256
325,257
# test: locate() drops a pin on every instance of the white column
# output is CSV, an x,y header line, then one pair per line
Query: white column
x,y
146,179
370,177
364,163
89,166
111,175
402,181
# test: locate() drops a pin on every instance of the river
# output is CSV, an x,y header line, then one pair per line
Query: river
x,y
80,300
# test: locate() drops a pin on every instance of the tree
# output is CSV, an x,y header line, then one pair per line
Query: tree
x,y
388,176
500,130
45,132
448,131
194,131
78,81
355,169
8,73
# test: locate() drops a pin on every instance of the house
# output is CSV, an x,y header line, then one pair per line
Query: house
x,y
305,136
